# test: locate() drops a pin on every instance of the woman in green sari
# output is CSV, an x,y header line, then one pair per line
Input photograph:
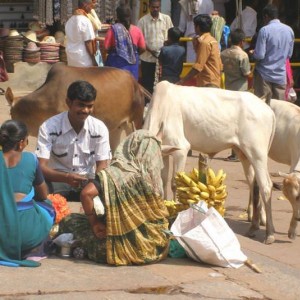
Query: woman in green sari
x,y
24,222
132,229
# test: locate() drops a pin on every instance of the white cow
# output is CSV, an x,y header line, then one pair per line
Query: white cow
x,y
285,149
210,120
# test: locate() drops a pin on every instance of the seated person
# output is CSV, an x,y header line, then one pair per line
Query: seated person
x,y
73,145
25,219
131,231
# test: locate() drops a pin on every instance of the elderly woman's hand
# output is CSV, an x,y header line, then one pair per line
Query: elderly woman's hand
x,y
99,230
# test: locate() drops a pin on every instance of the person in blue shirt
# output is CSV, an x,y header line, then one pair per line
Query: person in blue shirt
x,y
274,45
171,57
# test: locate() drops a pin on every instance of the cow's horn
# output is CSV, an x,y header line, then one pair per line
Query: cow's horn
x,y
9,96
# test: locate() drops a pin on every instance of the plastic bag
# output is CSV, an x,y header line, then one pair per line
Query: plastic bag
x,y
292,96
206,237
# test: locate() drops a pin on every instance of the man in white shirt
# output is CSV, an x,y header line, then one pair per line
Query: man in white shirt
x,y
81,47
154,27
247,21
72,146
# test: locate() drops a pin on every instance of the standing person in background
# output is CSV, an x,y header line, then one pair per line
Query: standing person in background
x,y
208,65
248,20
189,10
274,45
236,67
81,47
154,27
124,42
92,15
171,57
73,145
219,6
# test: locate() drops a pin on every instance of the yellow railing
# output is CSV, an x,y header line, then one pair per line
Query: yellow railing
x,y
187,66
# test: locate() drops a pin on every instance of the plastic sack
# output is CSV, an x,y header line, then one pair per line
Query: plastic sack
x,y
206,237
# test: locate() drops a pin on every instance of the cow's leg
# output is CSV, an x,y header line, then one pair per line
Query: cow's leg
x,y
179,160
265,186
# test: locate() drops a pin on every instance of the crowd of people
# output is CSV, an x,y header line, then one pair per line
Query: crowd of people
x,y
73,156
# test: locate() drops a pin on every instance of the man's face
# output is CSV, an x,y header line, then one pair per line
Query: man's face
x,y
79,110
154,8
87,7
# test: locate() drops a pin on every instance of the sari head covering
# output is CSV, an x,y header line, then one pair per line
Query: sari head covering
x,y
123,43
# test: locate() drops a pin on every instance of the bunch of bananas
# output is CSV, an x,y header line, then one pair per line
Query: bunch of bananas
x,y
175,207
190,189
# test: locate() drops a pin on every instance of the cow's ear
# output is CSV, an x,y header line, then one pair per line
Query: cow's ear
x,y
9,96
167,150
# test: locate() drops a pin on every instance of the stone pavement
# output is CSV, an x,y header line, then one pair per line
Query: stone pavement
x,y
61,278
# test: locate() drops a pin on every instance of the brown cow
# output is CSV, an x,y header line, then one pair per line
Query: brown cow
x,y
119,102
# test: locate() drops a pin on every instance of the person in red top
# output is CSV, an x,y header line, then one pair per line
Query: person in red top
x,y
124,42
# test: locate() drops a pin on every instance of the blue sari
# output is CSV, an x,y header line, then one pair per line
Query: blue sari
x,y
22,228
125,55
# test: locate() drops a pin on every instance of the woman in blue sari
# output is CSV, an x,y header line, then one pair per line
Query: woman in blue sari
x,y
25,219
124,42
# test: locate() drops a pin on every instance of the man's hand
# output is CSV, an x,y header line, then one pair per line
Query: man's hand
x,y
75,180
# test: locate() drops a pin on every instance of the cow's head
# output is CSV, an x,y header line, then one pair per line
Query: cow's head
x,y
291,190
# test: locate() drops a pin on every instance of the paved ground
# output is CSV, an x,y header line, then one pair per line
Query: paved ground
x,y
59,278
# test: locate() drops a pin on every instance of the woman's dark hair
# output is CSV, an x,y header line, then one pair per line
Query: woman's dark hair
x,y
11,133
237,36
81,90
271,11
204,22
124,15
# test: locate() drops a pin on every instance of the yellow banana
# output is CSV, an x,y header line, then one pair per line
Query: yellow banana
x,y
210,176
202,187
189,181
195,190
183,188
195,174
221,188
221,196
218,177
191,201
211,188
204,195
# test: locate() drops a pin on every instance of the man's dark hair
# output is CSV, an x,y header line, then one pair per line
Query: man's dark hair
x,y
174,34
204,22
271,11
82,2
81,90
237,36
151,1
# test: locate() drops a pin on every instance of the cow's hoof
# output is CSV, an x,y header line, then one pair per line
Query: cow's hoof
x,y
292,235
251,231
270,240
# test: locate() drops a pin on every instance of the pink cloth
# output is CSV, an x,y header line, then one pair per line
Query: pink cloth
x,y
136,34
289,78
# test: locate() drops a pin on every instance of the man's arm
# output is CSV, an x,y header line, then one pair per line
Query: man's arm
x,y
52,175
90,47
